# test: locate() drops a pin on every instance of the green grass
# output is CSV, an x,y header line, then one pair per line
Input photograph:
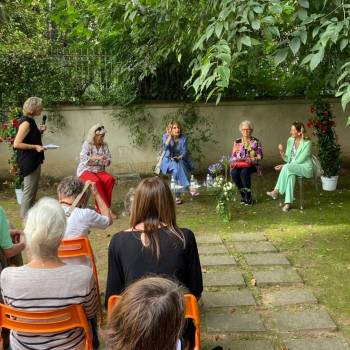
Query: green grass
x,y
316,240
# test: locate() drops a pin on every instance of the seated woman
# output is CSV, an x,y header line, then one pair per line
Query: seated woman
x,y
81,220
154,244
246,154
298,160
149,316
176,160
46,282
94,158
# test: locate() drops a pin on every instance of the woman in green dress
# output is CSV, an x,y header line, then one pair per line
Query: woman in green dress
x,y
298,160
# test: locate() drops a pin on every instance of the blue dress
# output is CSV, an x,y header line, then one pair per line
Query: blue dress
x,y
179,169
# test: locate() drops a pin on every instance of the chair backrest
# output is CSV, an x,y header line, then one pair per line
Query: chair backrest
x,y
38,322
191,311
81,247
316,167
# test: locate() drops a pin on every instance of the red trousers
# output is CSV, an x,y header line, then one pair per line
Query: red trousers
x,y
104,184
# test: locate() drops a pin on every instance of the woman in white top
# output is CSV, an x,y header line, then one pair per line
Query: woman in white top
x,y
47,283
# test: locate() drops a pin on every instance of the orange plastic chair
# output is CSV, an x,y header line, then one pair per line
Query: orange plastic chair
x,y
191,311
38,322
81,247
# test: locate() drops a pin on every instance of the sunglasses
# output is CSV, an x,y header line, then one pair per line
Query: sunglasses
x,y
100,130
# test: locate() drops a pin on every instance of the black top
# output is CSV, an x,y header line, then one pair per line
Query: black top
x,y
29,160
129,260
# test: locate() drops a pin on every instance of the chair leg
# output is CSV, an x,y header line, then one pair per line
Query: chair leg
x,y
301,198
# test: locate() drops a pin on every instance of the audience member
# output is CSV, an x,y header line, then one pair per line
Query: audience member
x,y
46,282
154,244
149,316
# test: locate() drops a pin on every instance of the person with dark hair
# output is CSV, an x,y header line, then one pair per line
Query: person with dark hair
x,y
176,160
298,160
149,316
154,244
30,151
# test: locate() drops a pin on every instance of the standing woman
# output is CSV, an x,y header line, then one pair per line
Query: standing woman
x,y
30,151
246,154
94,158
298,160
176,160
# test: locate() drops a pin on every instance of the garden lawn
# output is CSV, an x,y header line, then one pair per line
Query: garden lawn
x,y
316,240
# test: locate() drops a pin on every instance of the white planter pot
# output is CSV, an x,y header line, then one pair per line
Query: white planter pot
x,y
19,195
329,183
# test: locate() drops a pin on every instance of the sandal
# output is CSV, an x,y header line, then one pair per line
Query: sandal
x,y
178,201
273,194
286,208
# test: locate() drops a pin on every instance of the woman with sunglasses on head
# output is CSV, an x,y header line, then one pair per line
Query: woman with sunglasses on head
x,y
298,158
94,158
245,157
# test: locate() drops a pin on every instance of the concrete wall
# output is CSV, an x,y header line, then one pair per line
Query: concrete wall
x,y
271,119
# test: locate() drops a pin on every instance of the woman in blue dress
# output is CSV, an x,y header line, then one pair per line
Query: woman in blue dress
x,y
176,160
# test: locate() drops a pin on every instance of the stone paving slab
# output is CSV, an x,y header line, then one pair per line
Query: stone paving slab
x,y
222,279
217,260
235,322
309,320
208,239
316,344
209,249
242,344
226,299
247,237
254,247
288,297
276,277
266,259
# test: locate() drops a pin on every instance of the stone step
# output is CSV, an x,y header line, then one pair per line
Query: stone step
x,y
276,277
222,279
309,320
234,322
210,249
266,259
247,237
240,344
254,247
217,260
241,297
316,344
208,239
288,297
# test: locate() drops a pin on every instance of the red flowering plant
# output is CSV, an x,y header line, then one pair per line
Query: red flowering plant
x,y
323,124
8,132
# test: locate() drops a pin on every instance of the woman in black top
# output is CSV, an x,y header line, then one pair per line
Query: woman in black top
x,y
154,245
30,151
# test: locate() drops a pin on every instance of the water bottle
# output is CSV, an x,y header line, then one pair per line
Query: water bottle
x,y
172,183
209,180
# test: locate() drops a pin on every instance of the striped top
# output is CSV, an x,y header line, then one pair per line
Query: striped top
x,y
33,289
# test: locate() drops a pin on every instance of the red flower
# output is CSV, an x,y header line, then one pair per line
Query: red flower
x,y
309,123
312,109
318,124
4,126
325,130
325,113
325,122
15,123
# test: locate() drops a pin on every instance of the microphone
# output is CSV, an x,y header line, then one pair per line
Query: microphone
x,y
44,119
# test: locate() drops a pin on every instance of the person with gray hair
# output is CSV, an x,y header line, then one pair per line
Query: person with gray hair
x,y
245,157
46,282
30,151
79,219
94,158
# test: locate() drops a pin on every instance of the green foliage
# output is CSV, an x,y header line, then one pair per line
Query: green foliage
x,y
328,148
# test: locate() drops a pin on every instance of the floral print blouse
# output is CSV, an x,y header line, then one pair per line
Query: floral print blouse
x,y
95,166
241,152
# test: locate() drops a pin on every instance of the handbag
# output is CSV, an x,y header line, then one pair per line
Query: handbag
x,y
241,164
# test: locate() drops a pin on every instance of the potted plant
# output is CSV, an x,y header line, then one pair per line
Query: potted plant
x,y
8,131
323,125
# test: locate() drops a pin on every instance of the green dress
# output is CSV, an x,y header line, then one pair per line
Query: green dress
x,y
298,165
